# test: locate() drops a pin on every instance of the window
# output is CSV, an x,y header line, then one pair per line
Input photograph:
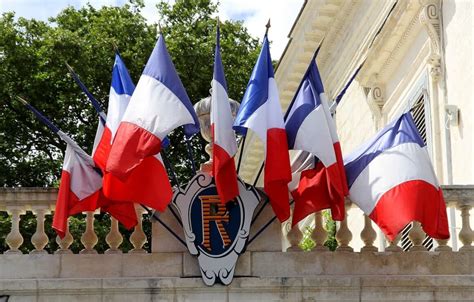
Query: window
x,y
420,113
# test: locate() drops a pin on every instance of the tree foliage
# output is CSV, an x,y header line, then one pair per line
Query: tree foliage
x,y
32,64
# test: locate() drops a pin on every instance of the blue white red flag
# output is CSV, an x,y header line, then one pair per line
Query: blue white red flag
x,y
148,183
81,184
158,105
310,127
260,111
392,180
224,145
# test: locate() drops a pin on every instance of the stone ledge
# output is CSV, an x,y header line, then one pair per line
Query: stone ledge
x,y
256,264
322,288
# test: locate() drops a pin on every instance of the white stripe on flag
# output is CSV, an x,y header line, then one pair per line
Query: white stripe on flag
x,y
389,169
117,106
155,108
267,116
221,117
84,180
314,136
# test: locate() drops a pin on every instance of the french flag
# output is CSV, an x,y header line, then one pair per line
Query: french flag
x,y
260,111
148,183
80,187
224,145
392,180
158,105
310,128
121,91
80,190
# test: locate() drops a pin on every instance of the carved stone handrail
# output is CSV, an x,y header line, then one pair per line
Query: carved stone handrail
x,y
41,202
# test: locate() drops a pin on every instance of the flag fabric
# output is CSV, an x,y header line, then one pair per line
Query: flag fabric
x,y
392,180
310,127
224,144
148,183
121,91
81,183
158,105
80,189
260,111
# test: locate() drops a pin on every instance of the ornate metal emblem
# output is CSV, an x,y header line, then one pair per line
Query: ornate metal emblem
x,y
214,232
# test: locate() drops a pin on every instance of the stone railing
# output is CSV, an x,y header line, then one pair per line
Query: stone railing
x,y
41,202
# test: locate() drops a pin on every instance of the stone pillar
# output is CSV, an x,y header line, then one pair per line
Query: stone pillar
x,y
294,237
138,237
14,239
65,242
319,234
368,236
89,238
466,235
393,246
39,238
114,239
417,236
344,236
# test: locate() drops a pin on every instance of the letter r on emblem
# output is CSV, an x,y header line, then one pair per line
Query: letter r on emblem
x,y
213,211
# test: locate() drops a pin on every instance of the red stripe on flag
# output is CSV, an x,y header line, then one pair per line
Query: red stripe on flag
x,y
409,201
224,174
103,149
277,172
124,212
147,184
68,204
342,170
318,189
132,144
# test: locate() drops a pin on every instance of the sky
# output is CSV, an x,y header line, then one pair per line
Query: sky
x,y
254,13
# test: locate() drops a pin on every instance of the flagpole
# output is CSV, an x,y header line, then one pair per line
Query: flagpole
x,y
89,95
157,218
263,228
242,144
268,25
289,107
56,130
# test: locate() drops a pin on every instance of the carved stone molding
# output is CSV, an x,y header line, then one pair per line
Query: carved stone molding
x,y
376,99
430,19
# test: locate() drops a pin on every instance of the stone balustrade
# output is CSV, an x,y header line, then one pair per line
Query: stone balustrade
x,y
133,268
41,202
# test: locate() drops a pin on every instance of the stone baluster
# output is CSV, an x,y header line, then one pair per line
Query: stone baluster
x,y
443,246
89,239
294,237
344,236
417,236
319,234
65,242
114,239
466,235
138,237
368,236
393,244
14,239
39,238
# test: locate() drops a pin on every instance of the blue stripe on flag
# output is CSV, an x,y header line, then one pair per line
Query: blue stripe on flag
x,y
307,99
160,67
218,67
256,93
121,80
